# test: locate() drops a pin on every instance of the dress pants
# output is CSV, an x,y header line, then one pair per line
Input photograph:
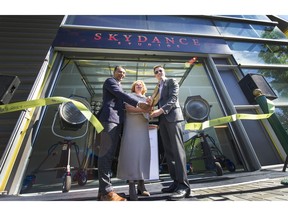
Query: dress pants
x,y
109,141
172,139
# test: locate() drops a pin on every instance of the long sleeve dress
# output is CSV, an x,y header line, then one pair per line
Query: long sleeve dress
x,y
134,154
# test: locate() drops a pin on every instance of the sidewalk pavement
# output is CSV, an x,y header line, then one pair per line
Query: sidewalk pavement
x,y
262,185
258,190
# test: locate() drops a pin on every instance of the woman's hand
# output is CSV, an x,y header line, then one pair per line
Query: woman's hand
x,y
149,100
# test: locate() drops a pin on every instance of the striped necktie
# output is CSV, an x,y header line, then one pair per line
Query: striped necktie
x,y
156,95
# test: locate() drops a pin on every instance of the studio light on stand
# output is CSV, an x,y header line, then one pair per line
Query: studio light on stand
x,y
70,120
197,109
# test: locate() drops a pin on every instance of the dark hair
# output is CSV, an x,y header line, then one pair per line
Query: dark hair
x,y
156,66
118,66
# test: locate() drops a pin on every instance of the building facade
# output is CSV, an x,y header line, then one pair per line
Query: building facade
x,y
207,55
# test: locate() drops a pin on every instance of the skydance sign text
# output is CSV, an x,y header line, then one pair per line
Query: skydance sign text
x,y
83,38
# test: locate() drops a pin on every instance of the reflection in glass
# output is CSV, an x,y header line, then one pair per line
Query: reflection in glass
x,y
118,21
96,71
254,53
255,17
282,114
249,30
184,24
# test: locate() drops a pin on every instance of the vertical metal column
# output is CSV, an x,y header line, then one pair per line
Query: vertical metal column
x,y
248,155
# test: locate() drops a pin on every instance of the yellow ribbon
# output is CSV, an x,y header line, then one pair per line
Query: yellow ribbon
x,y
231,118
49,101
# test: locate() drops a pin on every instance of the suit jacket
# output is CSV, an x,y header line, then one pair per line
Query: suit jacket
x,y
169,101
113,97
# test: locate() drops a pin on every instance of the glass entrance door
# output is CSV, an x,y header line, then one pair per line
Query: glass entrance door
x,y
84,78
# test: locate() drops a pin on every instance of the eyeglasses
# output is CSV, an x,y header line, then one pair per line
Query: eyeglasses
x,y
156,72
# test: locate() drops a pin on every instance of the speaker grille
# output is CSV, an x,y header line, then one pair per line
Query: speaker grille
x,y
256,81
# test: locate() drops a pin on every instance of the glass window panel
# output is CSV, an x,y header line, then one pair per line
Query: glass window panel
x,y
96,72
270,32
118,21
282,114
255,17
277,79
232,86
197,82
223,61
285,17
181,24
248,30
239,29
252,53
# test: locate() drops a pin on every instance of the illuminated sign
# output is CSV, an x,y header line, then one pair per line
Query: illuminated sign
x,y
83,38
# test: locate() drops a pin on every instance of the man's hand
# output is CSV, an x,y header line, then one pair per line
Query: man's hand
x,y
144,106
156,113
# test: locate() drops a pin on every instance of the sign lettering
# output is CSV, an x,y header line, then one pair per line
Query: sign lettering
x,y
138,41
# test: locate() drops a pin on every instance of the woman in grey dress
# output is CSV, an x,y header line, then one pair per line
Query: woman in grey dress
x,y
134,154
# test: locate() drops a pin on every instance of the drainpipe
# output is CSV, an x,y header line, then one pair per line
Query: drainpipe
x,y
273,120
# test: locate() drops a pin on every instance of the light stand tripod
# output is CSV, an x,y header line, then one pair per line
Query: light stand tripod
x,y
210,160
67,143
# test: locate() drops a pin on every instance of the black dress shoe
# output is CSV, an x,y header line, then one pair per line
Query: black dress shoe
x,y
172,188
180,194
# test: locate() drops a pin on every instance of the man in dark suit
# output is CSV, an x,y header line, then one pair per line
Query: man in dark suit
x,y
170,126
111,116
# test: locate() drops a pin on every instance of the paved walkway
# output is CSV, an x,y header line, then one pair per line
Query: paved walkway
x,y
264,185
259,190
259,193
